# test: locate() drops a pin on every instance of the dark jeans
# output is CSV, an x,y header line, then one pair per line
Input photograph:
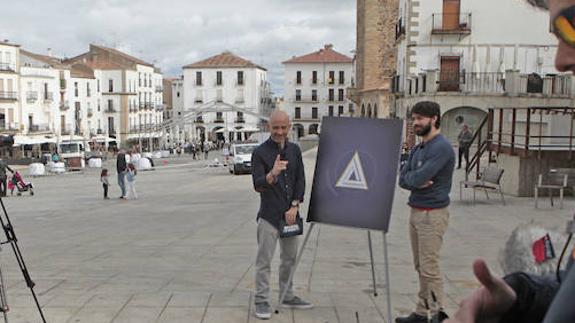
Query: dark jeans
x,y
463,152
105,186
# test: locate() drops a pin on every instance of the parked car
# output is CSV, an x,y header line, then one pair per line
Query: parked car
x,y
241,155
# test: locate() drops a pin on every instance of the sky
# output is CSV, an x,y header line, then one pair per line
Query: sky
x,y
174,33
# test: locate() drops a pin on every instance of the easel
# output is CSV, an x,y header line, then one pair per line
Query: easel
x,y
387,283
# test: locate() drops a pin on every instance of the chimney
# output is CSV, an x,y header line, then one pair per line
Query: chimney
x,y
328,46
49,50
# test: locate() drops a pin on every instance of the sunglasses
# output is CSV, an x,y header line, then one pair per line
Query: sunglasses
x,y
564,26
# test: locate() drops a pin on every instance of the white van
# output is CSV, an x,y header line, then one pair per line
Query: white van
x,y
241,158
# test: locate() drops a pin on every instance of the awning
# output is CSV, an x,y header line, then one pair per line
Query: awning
x,y
249,129
102,138
32,140
230,129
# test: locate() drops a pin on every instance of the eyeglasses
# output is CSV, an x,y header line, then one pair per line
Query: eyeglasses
x,y
564,26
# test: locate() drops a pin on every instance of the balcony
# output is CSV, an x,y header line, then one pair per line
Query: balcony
x,y
110,110
219,120
65,131
8,95
219,99
240,120
451,24
306,99
90,112
48,97
142,106
64,106
239,83
112,132
8,128
199,100
31,96
99,131
39,128
159,89
7,67
239,100
199,120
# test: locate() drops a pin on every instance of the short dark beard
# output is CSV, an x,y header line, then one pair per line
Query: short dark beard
x,y
424,131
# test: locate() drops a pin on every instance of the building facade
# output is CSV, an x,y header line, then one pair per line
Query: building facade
x,y
452,52
375,58
315,85
231,84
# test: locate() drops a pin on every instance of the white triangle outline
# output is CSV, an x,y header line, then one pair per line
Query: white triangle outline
x,y
353,168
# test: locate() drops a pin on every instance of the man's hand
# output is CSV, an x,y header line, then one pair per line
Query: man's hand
x,y
279,166
426,185
488,303
291,215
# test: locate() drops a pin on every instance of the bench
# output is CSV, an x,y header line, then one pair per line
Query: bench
x,y
489,180
554,180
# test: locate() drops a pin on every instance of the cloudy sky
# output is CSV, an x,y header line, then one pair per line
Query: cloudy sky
x,y
173,33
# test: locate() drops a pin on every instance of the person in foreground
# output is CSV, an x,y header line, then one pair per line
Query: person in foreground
x,y
278,176
428,174
522,297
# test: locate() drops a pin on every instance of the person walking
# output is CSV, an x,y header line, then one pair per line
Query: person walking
x,y
4,177
121,168
464,139
428,174
278,176
131,179
105,182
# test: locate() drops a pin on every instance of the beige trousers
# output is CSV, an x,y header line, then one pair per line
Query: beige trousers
x,y
426,230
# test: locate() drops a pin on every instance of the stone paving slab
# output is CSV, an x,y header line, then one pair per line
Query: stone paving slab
x,y
184,251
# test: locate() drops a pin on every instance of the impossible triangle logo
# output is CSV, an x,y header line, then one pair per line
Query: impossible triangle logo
x,y
353,176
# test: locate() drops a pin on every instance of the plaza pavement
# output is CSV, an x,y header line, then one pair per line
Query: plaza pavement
x,y
185,250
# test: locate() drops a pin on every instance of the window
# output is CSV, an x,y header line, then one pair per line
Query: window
x,y
298,95
240,78
331,110
298,77
76,89
340,111
341,77
178,94
314,113
340,95
110,105
219,116
88,92
98,108
314,77
98,86
139,79
198,78
314,95
297,113
110,85
331,94
331,79
219,78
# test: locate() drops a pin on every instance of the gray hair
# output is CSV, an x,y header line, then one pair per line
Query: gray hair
x,y
543,4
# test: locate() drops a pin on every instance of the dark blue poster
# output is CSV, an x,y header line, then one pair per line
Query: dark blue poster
x,y
356,171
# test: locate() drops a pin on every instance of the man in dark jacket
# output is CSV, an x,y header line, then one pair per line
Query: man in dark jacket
x,y
278,175
464,139
521,297
121,168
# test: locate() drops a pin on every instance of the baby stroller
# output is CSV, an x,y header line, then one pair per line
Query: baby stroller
x,y
17,182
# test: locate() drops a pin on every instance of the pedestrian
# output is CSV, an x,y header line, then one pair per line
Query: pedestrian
x,y
428,174
523,297
4,177
464,139
278,176
105,182
206,150
131,178
121,168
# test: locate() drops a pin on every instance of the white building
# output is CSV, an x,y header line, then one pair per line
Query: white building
x,y
471,55
131,91
178,130
225,82
315,85
9,87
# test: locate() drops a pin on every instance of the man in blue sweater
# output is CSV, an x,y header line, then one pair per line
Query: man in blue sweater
x,y
427,174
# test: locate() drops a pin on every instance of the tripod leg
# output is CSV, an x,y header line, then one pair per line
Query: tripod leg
x,y
3,299
387,285
372,263
297,260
